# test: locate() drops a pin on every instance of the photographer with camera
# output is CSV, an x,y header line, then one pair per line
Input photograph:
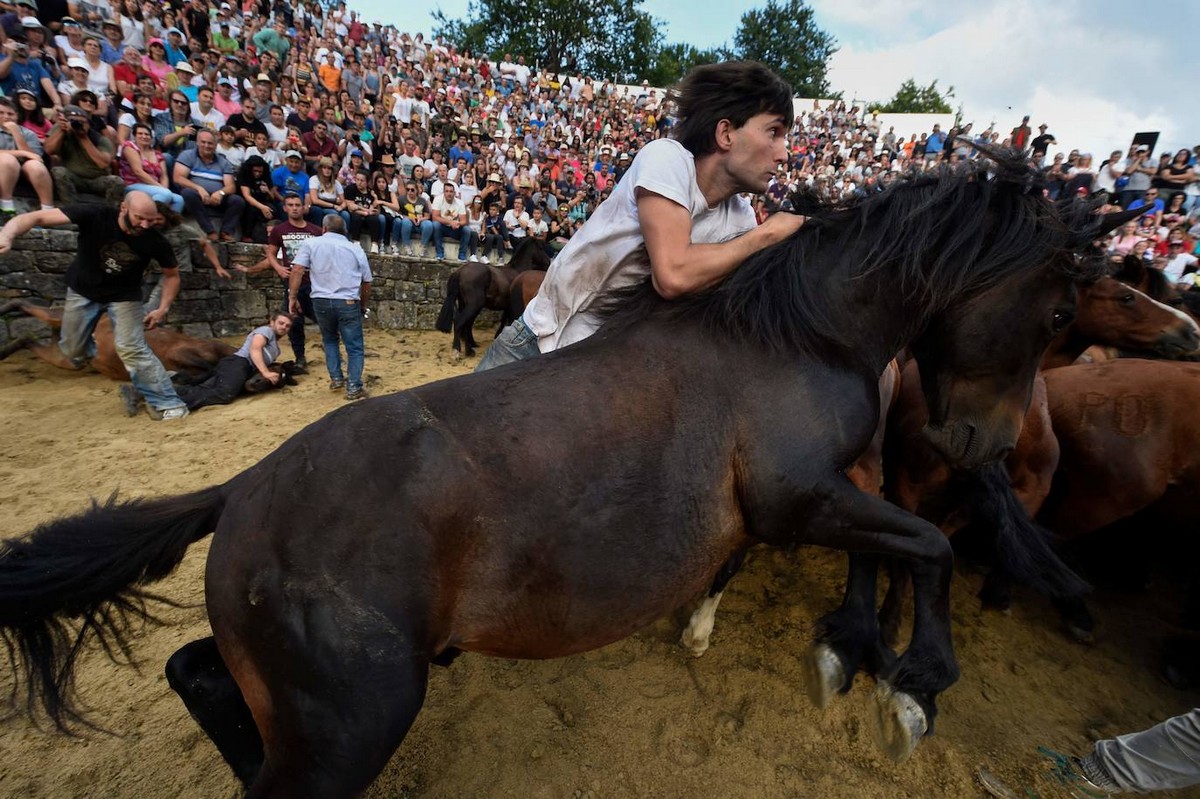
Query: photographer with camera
x,y
19,71
84,159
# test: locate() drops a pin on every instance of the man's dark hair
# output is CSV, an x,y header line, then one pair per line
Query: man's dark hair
x,y
734,90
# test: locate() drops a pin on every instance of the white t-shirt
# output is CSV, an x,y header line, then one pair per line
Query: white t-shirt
x,y
454,208
1175,267
213,120
276,135
513,223
608,251
402,108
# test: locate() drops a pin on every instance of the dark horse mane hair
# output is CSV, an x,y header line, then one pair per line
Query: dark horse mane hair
x,y
1156,284
935,236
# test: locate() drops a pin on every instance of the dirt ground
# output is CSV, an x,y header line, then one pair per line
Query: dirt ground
x,y
639,718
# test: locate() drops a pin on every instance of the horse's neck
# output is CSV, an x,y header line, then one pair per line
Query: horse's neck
x,y
880,321
1064,349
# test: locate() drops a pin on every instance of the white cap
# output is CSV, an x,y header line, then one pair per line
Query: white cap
x,y
79,63
293,154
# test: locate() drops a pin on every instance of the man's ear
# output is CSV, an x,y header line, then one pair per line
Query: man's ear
x,y
724,134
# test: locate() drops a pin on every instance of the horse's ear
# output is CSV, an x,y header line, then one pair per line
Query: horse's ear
x,y
1110,222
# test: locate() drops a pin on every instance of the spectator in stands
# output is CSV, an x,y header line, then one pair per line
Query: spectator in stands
x,y
450,220
388,205
20,158
30,114
143,168
363,210
143,112
291,177
325,194
174,129
516,222
86,159
415,214
261,197
155,61
204,112
205,180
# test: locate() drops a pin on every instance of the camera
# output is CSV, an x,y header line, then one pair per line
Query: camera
x,y
21,50
77,125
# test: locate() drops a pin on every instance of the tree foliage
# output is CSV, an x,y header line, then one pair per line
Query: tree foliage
x,y
603,38
673,61
913,99
784,36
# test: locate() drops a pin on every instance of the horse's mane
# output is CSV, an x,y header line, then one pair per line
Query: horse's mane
x,y
934,236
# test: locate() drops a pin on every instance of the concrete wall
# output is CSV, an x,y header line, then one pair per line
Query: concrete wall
x,y
406,293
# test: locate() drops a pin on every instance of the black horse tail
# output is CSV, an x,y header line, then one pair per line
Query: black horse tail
x,y
445,320
1022,548
77,578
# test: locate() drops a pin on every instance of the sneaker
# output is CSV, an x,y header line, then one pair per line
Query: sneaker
x,y
441,256
131,398
168,414
484,260
356,394
337,385
410,252
425,251
474,259
374,248
301,362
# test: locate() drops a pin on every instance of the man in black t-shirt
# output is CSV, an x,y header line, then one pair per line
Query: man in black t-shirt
x,y
116,245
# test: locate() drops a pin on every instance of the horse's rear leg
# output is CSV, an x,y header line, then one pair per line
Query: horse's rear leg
x,y
333,684
199,675
50,353
700,626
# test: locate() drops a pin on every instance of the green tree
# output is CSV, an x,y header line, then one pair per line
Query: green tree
x,y
913,99
784,36
602,38
672,62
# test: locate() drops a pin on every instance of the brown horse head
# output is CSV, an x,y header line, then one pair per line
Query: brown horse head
x,y
1118,315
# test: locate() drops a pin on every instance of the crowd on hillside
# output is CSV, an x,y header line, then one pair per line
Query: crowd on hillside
x,y
224,110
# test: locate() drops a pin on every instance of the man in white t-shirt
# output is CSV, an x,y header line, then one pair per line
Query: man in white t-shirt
x,y
450,219
516,222
678,204
1179,265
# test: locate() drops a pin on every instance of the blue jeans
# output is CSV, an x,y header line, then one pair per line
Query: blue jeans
x,y
465,236
515,343
159,195
403,232
80,317
341,320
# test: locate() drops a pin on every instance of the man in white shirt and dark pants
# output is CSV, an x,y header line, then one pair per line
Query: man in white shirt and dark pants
x,y
341,286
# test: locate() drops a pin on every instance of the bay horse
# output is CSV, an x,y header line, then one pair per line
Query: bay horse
x,y
677,434
1108,312
178,352
475,286
524,288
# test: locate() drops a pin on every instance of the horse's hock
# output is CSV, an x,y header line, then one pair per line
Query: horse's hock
x,y
406,293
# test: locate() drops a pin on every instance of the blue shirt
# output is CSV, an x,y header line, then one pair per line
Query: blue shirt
x,y
286,180
24,76
336,266
935,142
210,176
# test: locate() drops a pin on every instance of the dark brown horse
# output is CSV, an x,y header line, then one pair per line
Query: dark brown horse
x,y
178,352
474,286
1108,312
637,462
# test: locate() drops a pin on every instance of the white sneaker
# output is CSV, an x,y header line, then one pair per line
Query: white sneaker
x,y
484,260
374,248
410,252
170,414
425,252
394,249
474,259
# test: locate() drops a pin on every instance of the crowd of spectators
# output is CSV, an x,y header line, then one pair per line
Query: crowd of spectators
x,y
224,110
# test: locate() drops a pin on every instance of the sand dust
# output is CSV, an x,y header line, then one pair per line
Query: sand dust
x,y
639,718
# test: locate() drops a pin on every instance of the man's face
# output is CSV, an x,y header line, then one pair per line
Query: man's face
x,y
293,206
205,100
756,150
138,222
277,117
448,191
206,144
320,129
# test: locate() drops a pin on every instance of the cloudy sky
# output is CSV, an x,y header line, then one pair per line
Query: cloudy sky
x,y
1096,71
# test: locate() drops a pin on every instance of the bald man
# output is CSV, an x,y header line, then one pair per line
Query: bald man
x,y
116,245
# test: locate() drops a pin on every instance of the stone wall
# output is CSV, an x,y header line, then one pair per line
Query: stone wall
x,y
406,293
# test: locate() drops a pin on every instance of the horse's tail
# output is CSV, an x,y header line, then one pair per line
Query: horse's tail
x,y
1021,547
80,577
445,320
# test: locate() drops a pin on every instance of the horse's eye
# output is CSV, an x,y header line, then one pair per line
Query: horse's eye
x,y
1061,319
1128,299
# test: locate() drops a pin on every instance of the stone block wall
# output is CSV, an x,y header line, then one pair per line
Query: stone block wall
x,y
406,293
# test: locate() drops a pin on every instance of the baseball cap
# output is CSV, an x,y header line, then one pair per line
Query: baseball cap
x,y
494,178
169,31
30,22
356,152
184,66
78,63
293,154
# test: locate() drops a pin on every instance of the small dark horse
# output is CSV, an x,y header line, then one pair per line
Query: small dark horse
x,y
680,433
473,287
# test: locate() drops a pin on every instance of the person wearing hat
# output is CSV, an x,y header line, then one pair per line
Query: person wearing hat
x,y
225,102
19,71
176,47
291,177
679,204
186,80
1042,141
75,79
85,156
70,41
36,38
112,45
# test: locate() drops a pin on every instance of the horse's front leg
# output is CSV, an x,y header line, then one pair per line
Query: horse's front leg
x,y
844,518
848,639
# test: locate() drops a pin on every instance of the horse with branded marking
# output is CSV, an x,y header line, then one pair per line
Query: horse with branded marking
x,y
636,462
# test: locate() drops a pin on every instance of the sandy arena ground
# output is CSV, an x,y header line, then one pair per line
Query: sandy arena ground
x,y
639,718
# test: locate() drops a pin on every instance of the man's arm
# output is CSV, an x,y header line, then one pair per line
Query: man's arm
x,y
23,223
183,179
211,254
677,265
101,158
294,282
170,290
257,344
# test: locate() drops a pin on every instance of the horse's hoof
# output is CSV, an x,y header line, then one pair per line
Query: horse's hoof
x,y
694,645
899,722
824,675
